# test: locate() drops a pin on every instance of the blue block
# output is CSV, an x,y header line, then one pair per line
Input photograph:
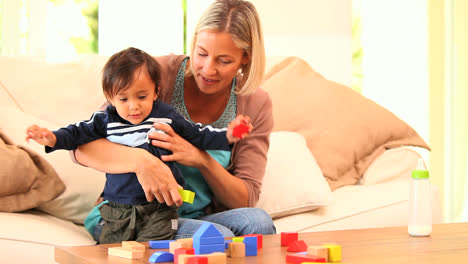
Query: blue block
x,y
207,230
250,246
211,240
157,244
201,241
226,244
208,249
161,256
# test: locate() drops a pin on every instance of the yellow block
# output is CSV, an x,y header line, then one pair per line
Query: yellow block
x,y
187,196
238,239
334,252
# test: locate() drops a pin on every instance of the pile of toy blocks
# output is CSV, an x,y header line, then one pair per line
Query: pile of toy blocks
x,y
206,246
304,254
209,246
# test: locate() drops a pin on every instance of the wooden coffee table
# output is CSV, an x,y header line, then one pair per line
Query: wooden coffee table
x,y
448,243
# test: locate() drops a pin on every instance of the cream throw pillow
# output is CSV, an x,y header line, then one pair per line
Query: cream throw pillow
x,y
344,130
293,182
83,185
393,163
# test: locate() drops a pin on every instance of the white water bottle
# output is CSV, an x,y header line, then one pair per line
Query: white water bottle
x,y
420,202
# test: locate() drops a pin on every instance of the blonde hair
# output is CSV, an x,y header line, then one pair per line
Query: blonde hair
x,y
241,20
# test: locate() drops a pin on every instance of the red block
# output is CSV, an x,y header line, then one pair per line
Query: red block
x,y
180,251
299,258
288,237
259,239
240,130
297,246
197,260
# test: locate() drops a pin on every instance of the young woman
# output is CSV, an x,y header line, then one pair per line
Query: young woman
x,y
220,80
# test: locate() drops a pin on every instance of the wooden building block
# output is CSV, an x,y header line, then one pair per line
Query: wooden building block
x,y
207,249
238,239
334,252
319,251
125,253
211,240
288,237
259,239
204,237
158,244
217,258
182,258
322,263
174,245
186,242
297,246
300,258
161,256
226,244
197,260
250,246
187,196
236,250
207,230
182,251
133,245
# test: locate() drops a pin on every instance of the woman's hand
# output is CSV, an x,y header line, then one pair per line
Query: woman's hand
x,y
239,128
182,151
154,176
157,181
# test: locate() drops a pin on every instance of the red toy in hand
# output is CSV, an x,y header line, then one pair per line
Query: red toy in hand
x,y
240,130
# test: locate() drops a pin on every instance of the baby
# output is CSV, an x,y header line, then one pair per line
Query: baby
x,y
130,83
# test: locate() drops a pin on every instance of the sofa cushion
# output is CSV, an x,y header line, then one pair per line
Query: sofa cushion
x,y
293,182
84,185
392,164
71,89
38,227
344,130
28,180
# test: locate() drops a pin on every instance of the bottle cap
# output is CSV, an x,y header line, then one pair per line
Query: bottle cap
x,y
420,172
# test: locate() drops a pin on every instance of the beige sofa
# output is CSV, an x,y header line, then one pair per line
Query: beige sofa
x,y
336,160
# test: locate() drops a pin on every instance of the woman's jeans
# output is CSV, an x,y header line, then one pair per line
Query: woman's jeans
x,y
234,222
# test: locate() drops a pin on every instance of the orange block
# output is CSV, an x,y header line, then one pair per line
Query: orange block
x,y
236,249
318,251
186,242
133,245
175,245
125,253
216,258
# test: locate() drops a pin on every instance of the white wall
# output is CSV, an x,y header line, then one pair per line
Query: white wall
x,y
394,39
155,26
318,31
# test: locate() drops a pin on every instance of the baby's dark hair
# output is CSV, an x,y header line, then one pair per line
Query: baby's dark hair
x,y
119,70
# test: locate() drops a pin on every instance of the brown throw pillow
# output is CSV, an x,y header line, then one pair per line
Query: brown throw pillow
x,y
344,130
28,180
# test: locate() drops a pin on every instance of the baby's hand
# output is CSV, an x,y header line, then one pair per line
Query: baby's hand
x,y
239,128
41,135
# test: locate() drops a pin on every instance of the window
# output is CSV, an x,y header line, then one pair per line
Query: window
x,y
51,28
